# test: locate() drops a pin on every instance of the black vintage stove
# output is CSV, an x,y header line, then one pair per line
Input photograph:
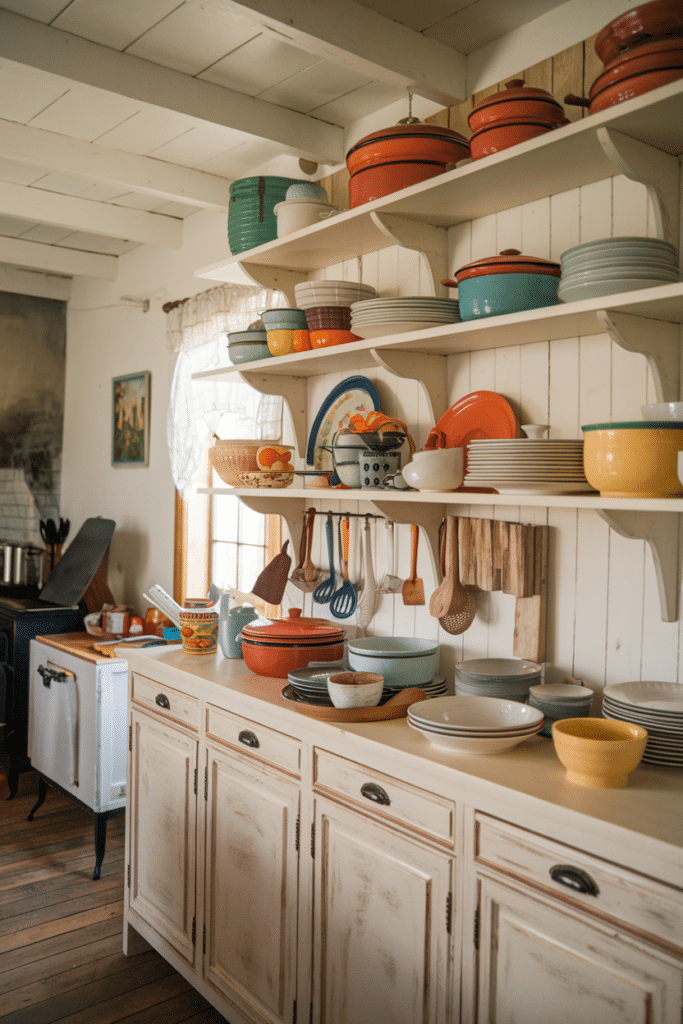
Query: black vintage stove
x,y
27,612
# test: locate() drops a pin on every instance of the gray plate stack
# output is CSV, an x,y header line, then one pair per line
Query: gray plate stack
x,y
508,678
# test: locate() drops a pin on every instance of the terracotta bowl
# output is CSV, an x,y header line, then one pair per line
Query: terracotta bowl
x,y
657,18
597,752
634,85
331,336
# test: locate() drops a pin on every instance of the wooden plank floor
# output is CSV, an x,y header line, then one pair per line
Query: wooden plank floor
x,y
60,932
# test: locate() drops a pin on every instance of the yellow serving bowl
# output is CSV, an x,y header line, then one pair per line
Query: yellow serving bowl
x,y
280,342
633,460
599,752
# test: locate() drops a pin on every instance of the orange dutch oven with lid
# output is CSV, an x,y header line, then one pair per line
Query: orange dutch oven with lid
x,y
279,646
403,155
519,102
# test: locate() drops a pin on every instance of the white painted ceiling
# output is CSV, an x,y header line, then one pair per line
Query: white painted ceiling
x,y
120,118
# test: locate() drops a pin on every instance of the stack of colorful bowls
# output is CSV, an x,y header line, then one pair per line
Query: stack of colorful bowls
x,y
245,346
508,678
327,305
560,700
515,114
621,264
280,326
251,214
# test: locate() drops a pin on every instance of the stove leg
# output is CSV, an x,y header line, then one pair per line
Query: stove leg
x,y
100,841
12,782
42,793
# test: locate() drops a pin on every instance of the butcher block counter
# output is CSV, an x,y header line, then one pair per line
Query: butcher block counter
x,y
298,869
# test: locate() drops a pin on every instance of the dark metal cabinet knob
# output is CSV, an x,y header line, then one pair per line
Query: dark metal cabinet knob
x,y
574,878
248,738
371,791
163,701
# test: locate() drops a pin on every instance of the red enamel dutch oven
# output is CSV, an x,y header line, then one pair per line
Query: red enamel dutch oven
x,y
635,72
403,155
643,23
505,133
519,102
280,646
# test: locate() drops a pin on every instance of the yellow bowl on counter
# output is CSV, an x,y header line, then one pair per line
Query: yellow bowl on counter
x,y
633,460
599,752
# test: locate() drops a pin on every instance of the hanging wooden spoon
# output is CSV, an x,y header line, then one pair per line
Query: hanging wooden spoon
x,y
463,607
440,601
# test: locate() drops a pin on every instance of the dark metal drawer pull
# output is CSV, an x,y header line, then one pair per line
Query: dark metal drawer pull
x,y
163,701
248,738
574,878
371,791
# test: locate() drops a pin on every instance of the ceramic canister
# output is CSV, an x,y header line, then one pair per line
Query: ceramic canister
x,y
375,466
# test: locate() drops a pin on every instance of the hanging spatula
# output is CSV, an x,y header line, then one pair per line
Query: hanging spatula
x,y
270,586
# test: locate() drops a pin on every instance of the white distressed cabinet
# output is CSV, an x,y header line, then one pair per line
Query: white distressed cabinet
x,y
351,874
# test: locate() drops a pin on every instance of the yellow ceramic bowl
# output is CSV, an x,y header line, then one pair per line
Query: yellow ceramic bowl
x,y
633,460
280,343
599,752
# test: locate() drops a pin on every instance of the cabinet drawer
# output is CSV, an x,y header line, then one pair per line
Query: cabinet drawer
x,y
623,895
166,701
252,738
385,796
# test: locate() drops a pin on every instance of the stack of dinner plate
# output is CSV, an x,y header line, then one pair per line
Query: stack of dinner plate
x,y
621,264
310,685
523,465
657,707
374,318
312,294
474,725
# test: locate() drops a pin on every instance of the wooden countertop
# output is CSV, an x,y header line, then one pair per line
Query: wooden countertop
x,y
645,818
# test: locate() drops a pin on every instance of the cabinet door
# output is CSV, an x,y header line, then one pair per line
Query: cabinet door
x,y
541,961
251,885
163,814
381,943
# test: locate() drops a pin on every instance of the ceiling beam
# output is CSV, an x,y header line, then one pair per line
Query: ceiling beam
x,y
45,207
40,148
61,53
34,282
356,37
53,259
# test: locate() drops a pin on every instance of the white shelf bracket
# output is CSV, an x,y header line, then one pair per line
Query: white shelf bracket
x,y
277,278
657,340
294,390
657,170
429,370
431,242
291,510
660,530
427,517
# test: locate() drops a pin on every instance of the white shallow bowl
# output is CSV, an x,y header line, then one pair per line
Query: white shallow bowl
x,y
663,411
476,714
473,744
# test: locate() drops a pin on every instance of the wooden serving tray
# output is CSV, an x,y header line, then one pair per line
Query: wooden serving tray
x,y
396,707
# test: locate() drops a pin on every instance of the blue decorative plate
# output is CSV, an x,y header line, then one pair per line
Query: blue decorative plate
x,y
355,394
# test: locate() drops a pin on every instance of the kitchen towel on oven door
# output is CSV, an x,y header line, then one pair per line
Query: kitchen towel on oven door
x,y
55,725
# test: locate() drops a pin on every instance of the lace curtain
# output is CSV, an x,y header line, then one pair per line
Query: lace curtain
x,y
196,330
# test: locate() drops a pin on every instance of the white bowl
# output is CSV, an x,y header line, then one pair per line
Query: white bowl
x,y
474,744
355,689
663,411
293,214
475,713
438,470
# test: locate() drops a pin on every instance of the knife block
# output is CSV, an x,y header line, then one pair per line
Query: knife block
x,y
512,558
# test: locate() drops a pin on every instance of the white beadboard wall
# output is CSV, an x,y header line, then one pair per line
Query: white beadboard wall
x,y
604,624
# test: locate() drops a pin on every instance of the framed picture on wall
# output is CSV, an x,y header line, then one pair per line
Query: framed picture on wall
x,y
130,419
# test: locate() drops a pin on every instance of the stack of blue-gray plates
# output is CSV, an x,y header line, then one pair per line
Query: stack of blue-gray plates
x,y
251,214
560,700
508,678
620,264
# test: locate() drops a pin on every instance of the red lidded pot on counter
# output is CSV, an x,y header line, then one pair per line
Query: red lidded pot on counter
x,y
279,646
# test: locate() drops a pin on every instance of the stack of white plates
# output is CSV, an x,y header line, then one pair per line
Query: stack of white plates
x,y
620,264
658,707
375,318
523,465
474,725
310,294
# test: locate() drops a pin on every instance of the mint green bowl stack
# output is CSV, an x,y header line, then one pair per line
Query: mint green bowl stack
x,y
251,214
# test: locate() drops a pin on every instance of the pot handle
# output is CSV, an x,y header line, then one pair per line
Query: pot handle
x,y
577,101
